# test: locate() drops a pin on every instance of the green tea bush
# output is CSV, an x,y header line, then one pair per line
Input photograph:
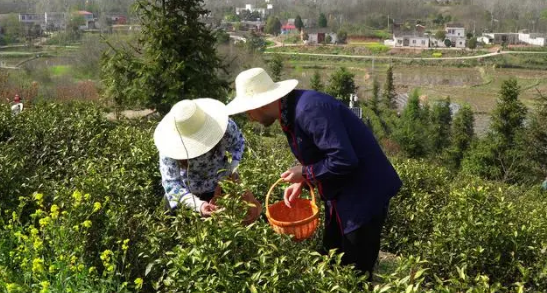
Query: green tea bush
x,y
81,211
410,220
484,228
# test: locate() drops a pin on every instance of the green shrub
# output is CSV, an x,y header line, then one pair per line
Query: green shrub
x,y
453,234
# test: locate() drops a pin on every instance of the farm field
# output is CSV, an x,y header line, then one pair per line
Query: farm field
x,y
477,86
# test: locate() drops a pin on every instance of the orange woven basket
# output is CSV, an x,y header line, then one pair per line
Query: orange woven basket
x,y
301,220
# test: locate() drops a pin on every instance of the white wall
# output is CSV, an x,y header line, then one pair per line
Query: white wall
x,y
526,38
484,40
419,42
455,32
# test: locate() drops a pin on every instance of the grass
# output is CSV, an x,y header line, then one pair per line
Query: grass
x,y
60,70
377,48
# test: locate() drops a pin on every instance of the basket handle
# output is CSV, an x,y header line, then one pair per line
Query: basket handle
x,y
277,182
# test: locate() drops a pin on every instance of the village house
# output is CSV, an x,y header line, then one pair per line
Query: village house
x,y
305,21
31,18
256,26
522,37
319,36
499,38
288,29
51,21
533,39
456,34
89,20
55,21
412,39
117,19
251,8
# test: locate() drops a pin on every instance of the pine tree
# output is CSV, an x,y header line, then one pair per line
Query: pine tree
x,y
298,23
273,26
276,66
389,90
322,22
175,58
462,135
411,133
375,101
502,155
441,120
342,84
315,82
537,136
509,114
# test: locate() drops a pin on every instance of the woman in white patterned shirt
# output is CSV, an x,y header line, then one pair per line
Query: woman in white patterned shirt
x,y
192,140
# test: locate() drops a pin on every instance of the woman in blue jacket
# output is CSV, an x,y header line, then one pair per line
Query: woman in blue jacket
x,y
337,153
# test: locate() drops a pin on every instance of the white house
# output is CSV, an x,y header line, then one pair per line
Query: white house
x,y
319,36
251,8
500,38
55,21
411,40
455,31
456,34
533,39
484,39
31,18
89,19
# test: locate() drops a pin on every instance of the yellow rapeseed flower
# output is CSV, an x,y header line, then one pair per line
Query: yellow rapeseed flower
x,y
44,221
105,255
96,206
125,244
45,287
54,212
138,283
38,265
12,287
77,196
38,244
87,223
38,197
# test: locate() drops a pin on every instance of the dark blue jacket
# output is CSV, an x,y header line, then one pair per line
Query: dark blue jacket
x,y
340,156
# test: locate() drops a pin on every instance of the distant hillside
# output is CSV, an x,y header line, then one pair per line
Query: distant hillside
x,y
12,6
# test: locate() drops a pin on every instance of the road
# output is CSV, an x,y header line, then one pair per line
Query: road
x,y
407,58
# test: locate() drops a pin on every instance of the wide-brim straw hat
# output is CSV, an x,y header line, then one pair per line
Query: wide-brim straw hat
x,y
255,88
191,128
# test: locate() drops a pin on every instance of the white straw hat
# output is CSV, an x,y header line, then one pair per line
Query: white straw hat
x,y
193,126
255,88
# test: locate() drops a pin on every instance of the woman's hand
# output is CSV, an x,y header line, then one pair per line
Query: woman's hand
x,y
293,175
292,193
207,209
